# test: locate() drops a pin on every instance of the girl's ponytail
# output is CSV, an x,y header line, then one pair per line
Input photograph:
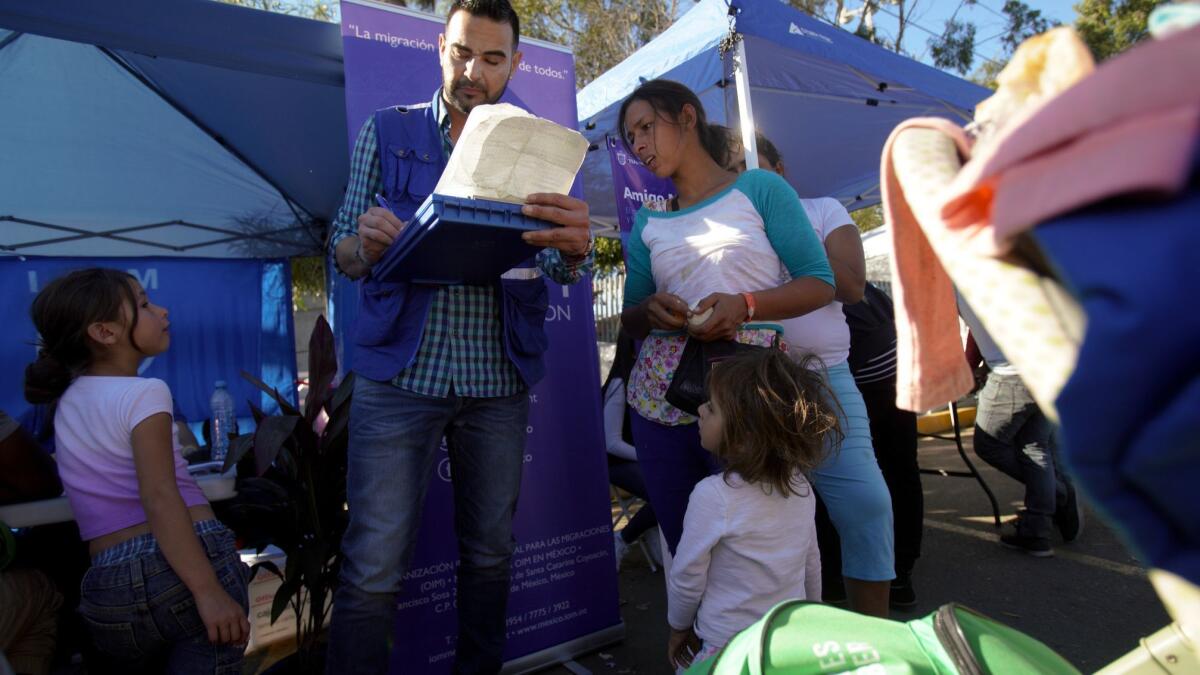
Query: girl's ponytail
x,y
46,379
61,313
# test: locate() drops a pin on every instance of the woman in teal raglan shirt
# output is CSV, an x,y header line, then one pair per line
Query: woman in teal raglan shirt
x,y
733,257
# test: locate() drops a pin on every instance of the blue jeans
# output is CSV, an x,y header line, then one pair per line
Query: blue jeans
x,y
139,613
1013,435
395,436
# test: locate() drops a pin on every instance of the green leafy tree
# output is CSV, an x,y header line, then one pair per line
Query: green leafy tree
x,y
987,72
868,219
1110,27
308,281
609,255
955,48
313,9
899,10
601,32
1023,23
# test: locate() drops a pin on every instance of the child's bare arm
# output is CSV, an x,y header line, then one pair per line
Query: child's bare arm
x,y
171,524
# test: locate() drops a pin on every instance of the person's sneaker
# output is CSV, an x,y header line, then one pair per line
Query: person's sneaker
x,y
902,594
1069,517
620,548
1038,547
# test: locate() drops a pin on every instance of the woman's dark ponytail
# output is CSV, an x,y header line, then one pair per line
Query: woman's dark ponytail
x,y
715,139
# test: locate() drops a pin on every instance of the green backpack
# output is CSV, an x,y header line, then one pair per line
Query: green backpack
x,y
798,637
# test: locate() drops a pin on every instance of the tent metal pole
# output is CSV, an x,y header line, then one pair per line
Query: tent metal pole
x,y
741,77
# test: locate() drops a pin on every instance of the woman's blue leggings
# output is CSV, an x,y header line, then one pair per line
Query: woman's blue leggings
x,y
849,481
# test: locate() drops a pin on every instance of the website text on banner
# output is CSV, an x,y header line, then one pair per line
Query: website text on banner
x,y
563,580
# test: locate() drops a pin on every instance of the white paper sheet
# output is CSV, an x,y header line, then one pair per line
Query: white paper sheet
x,y
505,154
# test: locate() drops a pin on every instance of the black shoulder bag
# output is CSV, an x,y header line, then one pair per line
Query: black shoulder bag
x,y
689,385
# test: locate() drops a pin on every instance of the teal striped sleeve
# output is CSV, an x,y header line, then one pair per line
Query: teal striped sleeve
x,y
788,227
639,281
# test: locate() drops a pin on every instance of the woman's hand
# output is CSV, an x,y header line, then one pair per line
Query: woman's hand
x,y
728,313
223,617
666,311
682,646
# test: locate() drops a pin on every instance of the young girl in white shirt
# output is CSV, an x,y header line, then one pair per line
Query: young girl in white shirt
x,y
167,591
749,539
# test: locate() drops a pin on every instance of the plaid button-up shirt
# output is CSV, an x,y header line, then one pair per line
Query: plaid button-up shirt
x,y
462,343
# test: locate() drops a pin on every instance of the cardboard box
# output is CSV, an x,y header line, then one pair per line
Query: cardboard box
x,y
262,596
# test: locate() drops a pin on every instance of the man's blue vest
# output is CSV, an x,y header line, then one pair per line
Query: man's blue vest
x,y
392,315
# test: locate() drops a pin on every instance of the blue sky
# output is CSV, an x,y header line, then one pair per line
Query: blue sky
x,y
985,14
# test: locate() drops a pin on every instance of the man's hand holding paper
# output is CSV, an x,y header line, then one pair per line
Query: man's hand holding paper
x,y
573,237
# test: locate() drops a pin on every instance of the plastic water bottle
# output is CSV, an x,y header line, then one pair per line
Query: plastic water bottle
x,y
223,421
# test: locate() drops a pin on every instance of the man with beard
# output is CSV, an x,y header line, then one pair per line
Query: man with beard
x,y
439,361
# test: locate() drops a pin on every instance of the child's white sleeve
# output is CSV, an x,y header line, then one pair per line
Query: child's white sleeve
x,y
703,527
812,571
143,398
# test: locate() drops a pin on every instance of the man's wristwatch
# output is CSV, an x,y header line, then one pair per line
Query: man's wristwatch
x,y
359,256
591,246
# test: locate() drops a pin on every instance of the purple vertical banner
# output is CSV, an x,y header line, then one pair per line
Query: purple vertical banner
x,y
634,184
563,597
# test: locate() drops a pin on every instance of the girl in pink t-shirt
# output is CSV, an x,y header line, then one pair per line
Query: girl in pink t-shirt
x,y
166,590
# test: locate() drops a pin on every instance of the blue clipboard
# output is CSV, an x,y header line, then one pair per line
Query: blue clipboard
x,y
454,240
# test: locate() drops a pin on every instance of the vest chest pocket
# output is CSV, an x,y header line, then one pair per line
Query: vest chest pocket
x,y
413,174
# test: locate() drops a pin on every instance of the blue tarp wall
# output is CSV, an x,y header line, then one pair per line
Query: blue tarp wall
x,y
226,316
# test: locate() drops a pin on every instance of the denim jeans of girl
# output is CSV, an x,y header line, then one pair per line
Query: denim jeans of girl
x,y
141,615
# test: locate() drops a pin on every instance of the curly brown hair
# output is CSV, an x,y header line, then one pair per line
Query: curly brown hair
x,y
777,413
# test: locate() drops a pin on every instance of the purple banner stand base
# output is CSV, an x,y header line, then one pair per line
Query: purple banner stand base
x,y
562,654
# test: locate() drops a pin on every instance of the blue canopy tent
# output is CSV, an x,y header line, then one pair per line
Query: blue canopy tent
x,y
825,97
195,143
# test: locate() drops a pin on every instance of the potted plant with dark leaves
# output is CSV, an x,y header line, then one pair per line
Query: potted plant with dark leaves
x,y
292,493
